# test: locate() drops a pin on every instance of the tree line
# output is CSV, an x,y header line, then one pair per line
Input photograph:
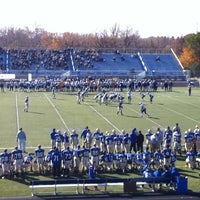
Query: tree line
x,y
187,48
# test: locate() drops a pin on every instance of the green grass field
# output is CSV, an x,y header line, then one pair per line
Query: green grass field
x,y
64,113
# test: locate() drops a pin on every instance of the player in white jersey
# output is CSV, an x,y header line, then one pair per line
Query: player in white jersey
x,y
176,142
197,138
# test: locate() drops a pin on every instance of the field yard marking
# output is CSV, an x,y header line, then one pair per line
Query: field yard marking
x,y
103,117
180,114
10,148
175,99
54,107
17,111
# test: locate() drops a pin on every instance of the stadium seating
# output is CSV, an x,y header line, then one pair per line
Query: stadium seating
x,y
162,64
89,62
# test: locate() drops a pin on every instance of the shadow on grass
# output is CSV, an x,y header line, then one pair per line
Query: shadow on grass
x,y
39,113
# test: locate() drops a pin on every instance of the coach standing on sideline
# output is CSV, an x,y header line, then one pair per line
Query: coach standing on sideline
x,y
21,140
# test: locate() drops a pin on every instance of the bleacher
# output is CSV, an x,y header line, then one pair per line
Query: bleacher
x,y
163,65
91,63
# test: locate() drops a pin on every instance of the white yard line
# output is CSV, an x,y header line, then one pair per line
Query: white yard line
x,y
184,102
148,118
103,117
179,113
45,147
17,111
54,107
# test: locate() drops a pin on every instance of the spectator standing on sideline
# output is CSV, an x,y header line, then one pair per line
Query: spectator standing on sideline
x,y
21,140
26,104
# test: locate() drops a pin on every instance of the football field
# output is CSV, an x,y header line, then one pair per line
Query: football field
x,y
64,114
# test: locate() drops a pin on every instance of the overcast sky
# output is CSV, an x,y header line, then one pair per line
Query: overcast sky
x,y
147,17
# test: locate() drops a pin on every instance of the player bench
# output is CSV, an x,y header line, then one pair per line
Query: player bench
x,y
128,184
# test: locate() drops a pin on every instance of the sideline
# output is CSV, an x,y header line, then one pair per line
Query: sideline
x,y
17,111
54,107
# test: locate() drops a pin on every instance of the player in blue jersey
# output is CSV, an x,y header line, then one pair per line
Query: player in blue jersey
x,y
158,158
117,144
52,137
59,140
65,140
147,156
131,165
17,159
190,159
109,142
56,163
197,138
84,133
67,157
5,160
77,155
139,160
74,139
95,153
102,142
92,173
39,157
167,137
88,139
167,155
126,141
85,158
96,137
28,165
148,173
123,162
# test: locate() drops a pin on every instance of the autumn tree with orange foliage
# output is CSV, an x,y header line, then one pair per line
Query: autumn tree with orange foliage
x,y
187,58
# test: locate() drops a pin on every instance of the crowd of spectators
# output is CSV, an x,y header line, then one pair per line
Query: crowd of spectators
x,y
35,59
84,59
